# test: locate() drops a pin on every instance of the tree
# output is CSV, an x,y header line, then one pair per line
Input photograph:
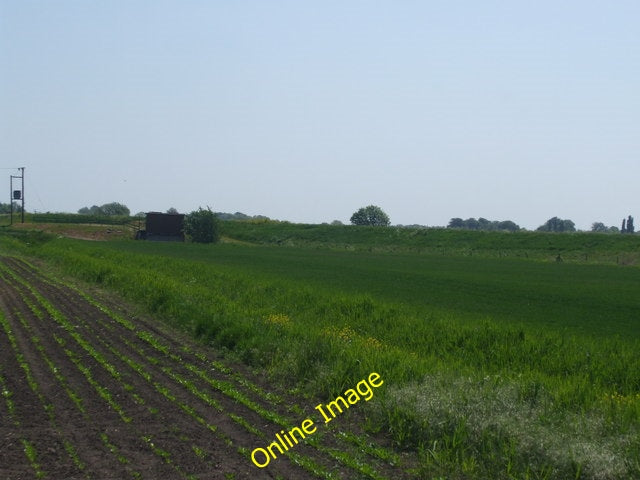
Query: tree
x,y
172,211
370,215
108,209
599,227
630,227
508,225
568,226
556,224
472,224
456,223
94,210
483,224
202,226
115,208
6,207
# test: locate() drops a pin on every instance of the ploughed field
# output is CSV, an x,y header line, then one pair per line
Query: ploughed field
x,y
91,391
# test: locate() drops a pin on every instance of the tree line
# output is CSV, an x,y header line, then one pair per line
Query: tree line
x,y
106,210
483,224
6,207
373,215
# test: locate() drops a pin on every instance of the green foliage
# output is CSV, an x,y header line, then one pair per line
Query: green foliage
x,y
202,226
240,216
483,224
108,209
556,224
629,227
6,207
370,215
599,227
27,237
32,456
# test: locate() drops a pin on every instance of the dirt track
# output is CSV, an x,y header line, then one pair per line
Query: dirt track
x,y
88,392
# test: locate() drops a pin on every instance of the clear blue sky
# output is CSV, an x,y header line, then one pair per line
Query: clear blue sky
x,y
308,110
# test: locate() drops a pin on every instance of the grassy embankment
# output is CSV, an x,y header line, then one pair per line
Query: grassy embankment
x,y
88,227
493,367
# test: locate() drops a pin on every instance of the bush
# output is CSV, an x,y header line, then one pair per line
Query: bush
x,y
202,226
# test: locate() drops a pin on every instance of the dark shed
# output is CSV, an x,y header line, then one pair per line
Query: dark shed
x,y
168,227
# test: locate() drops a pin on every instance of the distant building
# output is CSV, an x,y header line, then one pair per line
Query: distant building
x,y
163,227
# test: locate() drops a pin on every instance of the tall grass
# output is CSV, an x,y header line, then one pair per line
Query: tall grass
x,y
473,394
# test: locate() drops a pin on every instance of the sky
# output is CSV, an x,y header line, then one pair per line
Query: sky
x,y
308,110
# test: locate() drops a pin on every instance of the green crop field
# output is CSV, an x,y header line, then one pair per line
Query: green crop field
x,y
499,362
579,246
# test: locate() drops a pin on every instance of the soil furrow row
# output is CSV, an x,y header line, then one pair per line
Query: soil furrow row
x,y
13,460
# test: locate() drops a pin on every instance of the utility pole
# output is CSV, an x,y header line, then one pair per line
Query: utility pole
x,y
16,195
22,190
